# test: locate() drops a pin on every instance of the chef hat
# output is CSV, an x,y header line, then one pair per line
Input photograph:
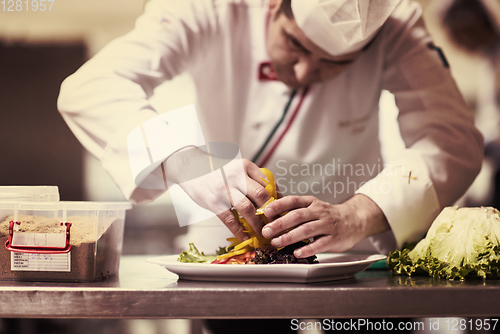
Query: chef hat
x,y
341,26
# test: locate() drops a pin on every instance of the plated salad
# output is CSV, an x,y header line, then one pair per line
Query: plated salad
x,y
255,250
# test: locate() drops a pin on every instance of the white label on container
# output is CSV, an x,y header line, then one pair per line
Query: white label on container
x,y
40,262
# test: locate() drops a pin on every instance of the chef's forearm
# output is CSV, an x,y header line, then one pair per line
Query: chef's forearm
x,y
186,164
368,215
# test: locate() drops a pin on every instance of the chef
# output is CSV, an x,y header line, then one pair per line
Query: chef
x,y
296,86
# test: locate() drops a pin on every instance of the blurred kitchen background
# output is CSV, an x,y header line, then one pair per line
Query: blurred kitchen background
x,y
39,49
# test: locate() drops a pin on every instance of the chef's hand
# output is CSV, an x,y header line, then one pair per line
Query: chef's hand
x,y
335,228
210,191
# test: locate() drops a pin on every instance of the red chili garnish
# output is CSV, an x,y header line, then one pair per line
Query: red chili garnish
x,y
237,259
220,261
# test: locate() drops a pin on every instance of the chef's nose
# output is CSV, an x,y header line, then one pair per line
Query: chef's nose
x,y
306,69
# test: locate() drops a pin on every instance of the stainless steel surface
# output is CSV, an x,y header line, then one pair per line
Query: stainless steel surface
x,y
145,290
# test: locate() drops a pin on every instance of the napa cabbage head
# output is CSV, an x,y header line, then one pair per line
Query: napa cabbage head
x,y
461,243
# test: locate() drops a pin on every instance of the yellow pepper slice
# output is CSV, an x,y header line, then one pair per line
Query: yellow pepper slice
x,y
260,211
232,253
243,244
270,183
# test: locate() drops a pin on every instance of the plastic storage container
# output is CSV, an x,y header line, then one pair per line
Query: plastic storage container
x,y
62,241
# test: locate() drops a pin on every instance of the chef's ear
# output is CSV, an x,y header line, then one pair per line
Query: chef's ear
x,y
274,4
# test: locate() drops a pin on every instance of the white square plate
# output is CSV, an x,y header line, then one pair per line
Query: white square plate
x,y
330,267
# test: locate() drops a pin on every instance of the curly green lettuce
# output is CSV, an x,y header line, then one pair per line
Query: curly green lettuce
x,y
193,255
461,243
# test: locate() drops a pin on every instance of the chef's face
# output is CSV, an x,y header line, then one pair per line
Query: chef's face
x,y
296,60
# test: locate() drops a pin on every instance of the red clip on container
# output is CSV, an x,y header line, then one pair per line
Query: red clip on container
x,y
38,248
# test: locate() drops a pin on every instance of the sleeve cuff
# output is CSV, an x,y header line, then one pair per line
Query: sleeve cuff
x,y
405,194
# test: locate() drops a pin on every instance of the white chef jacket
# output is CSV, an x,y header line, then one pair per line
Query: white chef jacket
x,y
327,144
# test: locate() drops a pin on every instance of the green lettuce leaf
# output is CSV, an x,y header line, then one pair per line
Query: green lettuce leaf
x,y
195,256
461,243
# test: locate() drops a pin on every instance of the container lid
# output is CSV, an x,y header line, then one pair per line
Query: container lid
x,y
77,205
29,193
89,205
91,208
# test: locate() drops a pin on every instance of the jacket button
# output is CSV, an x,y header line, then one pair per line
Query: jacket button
x,y
257,125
